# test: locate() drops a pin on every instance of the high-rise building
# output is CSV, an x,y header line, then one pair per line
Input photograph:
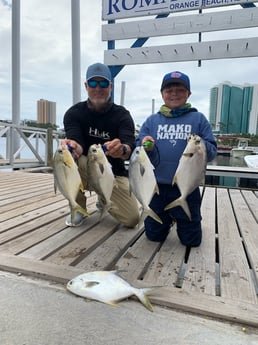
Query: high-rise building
x,y
46,111
234,108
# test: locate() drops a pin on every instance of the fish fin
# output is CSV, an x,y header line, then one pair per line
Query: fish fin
x,y
149,212
91,284
180,202
105,210
112,303
68,158
174,181
142,169
55,187
142,296
79,209
156,189
81,187
101,168
188,154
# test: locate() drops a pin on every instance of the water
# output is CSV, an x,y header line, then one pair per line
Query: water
x,y
227,160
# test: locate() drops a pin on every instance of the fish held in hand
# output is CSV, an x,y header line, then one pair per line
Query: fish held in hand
x,y
107,287
100,176
142,181
190,172
67,179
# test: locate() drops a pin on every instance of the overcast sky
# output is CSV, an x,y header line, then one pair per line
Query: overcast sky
x,y
46,66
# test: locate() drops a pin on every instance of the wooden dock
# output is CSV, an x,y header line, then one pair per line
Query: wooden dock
x,y
218,279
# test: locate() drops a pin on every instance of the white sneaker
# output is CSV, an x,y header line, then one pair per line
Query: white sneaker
x,y
78,220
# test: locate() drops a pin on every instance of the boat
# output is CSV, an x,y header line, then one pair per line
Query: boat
x,y
251,161
242,148
225,143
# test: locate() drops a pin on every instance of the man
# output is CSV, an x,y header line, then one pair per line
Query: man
x,y
100,121
168,131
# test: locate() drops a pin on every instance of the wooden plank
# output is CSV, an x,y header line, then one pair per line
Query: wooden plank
x,y
247,225
20,182
206,50
200,273
233,311
32,215
43,201
8,194
17,201
233,262
32,224
81,246
18,264
167,262
252,202
29,239
135,261
105,256
185,24
44,249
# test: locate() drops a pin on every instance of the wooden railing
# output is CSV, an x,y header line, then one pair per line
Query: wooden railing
x,y
15,139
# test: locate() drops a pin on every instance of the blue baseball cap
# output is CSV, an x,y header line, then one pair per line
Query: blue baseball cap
x,y
98,70
176,77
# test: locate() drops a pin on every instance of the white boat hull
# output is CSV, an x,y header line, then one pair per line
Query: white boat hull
x,y
251,161
237,152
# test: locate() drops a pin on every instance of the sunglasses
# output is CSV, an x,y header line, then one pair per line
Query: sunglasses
x,y
104,84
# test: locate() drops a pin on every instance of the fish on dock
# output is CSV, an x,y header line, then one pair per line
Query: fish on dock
x,y
107,287
67,179
190,172
100,177
142,181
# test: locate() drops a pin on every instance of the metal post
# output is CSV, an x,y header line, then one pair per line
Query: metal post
x,y
76,50
15,73
49,148
122,98
153,106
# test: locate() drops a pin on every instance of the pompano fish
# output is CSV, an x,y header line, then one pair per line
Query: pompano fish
x,y
100,176
67,179
142,181
190,172
107,287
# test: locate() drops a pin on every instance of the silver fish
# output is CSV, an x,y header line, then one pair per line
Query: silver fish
x,y
100,176
107,287
67,179
142,181
190,172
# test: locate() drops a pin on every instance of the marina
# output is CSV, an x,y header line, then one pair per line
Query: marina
x,y
217,279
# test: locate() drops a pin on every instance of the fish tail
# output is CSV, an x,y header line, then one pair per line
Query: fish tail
x,y
77,209
180,202
142,296
104,210
149,212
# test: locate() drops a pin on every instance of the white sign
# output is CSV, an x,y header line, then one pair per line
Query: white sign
x,y
118,9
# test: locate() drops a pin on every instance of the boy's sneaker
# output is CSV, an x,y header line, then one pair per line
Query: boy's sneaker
x,y
78,220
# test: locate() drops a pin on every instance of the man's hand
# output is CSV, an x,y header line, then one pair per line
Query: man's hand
x,y
116,149
73,146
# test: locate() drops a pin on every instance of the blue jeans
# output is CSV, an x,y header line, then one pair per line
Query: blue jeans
x,y
188,231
